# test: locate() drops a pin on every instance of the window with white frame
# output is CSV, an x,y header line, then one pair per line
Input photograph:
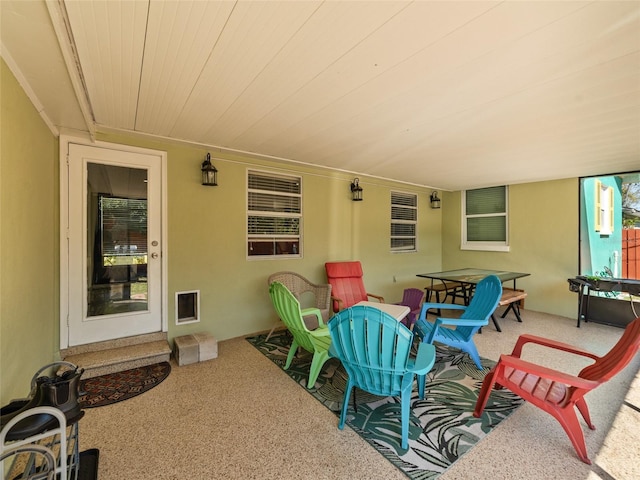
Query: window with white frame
x,y
604,208
404,218
274,215
485,219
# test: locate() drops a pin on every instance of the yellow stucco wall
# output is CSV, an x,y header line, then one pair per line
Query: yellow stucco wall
x,y
543,236
28,240
207,237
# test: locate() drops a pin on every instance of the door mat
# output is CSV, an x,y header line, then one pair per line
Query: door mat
x,y
119,386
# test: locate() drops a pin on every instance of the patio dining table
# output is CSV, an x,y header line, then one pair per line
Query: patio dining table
x,y
471,277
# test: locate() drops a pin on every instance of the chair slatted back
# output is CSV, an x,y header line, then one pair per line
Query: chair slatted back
x,y
483,303
346,282
412,298
373,348
288,309
617,358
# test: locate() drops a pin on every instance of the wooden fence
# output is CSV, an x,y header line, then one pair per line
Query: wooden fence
x,y
630,257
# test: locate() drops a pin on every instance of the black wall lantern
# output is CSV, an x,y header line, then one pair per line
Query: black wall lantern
x,y
435,201
209,172
356,190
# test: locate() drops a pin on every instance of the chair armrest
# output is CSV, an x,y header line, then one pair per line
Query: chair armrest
x,y
548,373
425,359
461,322
320,332
340,302
313,311
378,297
442,306
547,342
452,321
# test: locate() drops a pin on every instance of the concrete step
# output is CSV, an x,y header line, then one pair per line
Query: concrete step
x,y
118,355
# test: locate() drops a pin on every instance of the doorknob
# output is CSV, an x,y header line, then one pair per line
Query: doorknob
x,y
154,255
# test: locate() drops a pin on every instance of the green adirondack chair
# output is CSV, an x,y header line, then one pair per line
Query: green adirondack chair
x,y
315,341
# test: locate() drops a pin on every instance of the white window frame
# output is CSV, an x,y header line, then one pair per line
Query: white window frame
x,y
489,246
402,214
254,238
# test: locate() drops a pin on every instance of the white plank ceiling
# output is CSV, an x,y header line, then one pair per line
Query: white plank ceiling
x,y
446,94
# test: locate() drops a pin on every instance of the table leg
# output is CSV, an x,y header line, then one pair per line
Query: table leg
x,y
580,293
516,311
495,322
586,307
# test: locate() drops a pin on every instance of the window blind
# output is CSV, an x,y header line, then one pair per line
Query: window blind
x,y
274,214
124,226
486,201
485,216
404,218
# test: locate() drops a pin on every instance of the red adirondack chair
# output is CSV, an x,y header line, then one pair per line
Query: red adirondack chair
x,y
554,391
347,286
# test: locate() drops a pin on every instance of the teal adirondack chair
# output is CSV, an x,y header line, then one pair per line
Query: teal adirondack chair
x,y
314,341
475,316
374,349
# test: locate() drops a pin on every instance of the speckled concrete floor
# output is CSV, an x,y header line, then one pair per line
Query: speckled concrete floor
x,y
240,417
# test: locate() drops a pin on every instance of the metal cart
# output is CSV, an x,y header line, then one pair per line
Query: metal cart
x,y
28,456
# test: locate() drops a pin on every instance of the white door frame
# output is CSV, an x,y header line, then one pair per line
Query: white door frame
x,y
64,226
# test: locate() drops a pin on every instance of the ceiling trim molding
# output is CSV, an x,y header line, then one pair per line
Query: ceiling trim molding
x,y
60,23
22,81
258,156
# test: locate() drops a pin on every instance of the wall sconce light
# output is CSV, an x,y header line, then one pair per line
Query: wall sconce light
x,y
356,190
209,172
435,201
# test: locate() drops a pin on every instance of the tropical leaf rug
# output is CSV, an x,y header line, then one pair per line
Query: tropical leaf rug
x,y
442,427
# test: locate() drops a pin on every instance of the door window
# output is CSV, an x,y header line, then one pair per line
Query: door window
x,y
117,239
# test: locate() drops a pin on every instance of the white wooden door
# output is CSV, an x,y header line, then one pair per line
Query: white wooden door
x,y
114,244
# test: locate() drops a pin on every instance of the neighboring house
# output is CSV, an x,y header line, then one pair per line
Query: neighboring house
x,y
607,244
607,248
601,226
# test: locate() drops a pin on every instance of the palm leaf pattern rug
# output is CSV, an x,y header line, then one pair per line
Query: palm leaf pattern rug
x,y
442,427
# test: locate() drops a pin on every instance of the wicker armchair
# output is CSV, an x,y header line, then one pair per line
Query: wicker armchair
x,y
307,293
